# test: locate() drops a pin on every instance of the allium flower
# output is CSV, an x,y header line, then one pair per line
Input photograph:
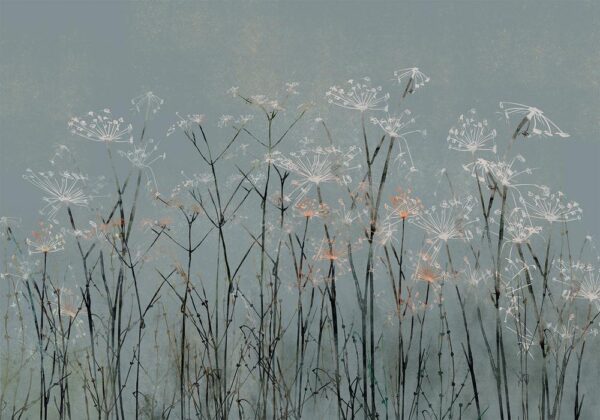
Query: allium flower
x,y
395,127
45,242
551,207
360,96
62,190
415,79
318,166
101,127
147,103
533,122
471,135
141,158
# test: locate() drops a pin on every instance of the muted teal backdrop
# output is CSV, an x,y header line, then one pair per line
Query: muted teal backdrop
x,y
60,59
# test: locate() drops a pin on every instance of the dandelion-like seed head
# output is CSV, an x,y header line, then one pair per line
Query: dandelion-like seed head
x,y
61,190
533,121
44,241
332,251
414,78
585,285
311,208
450,220
551,207
474,275
517,226
428,269
142,157
185,123
101,127
317,166
359,95
385,233
147,103
403,206
290,88
67,303
8,221
503,173
471,135
396,128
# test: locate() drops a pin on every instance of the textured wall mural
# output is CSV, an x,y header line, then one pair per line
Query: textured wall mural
x,y
273,210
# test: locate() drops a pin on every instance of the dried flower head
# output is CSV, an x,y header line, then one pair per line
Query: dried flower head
x,y
517,226
45,241
186,123
396,128
317,166
502,173
101,127
403,206
62,190
142,156
311,208
68,304
450,220
427,269
414,77
332,251
582,279
147,103
360,96
551,207
471,135
533,122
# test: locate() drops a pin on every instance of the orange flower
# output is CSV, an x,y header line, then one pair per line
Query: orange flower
x,y
404,206
311,208
428,273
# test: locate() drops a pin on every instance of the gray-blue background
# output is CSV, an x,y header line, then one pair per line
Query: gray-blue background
x,y
60,59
